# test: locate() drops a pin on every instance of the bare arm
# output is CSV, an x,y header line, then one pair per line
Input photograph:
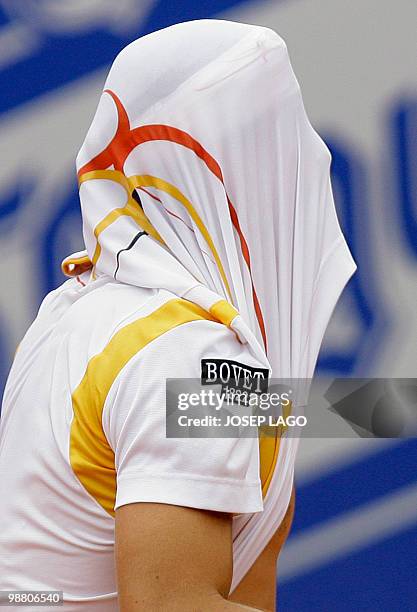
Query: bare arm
x,y
170,558
258,587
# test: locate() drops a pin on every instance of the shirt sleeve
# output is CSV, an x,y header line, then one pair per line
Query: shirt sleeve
x,y
220,474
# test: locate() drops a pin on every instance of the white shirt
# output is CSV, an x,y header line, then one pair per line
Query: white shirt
x,y
83,432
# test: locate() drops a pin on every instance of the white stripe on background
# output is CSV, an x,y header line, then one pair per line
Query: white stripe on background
x,y
348,533
17,41
319,457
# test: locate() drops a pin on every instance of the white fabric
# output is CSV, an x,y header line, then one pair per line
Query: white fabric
x,y
240,149
54,533
213,473
231,90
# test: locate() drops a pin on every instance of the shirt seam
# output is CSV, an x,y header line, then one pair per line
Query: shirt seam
x,y
335,245
173,475
324,261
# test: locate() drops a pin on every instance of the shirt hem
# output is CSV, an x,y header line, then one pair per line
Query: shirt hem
x,y
193,493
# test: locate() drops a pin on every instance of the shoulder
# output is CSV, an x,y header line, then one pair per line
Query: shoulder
x,y
102,305
180,339
119,323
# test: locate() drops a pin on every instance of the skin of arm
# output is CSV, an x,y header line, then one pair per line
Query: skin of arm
x,y
176,559
173,559
258,587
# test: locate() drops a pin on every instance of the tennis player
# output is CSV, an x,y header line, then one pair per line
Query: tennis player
x,y
211,237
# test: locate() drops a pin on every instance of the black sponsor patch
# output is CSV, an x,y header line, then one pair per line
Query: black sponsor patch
x,y
234,374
